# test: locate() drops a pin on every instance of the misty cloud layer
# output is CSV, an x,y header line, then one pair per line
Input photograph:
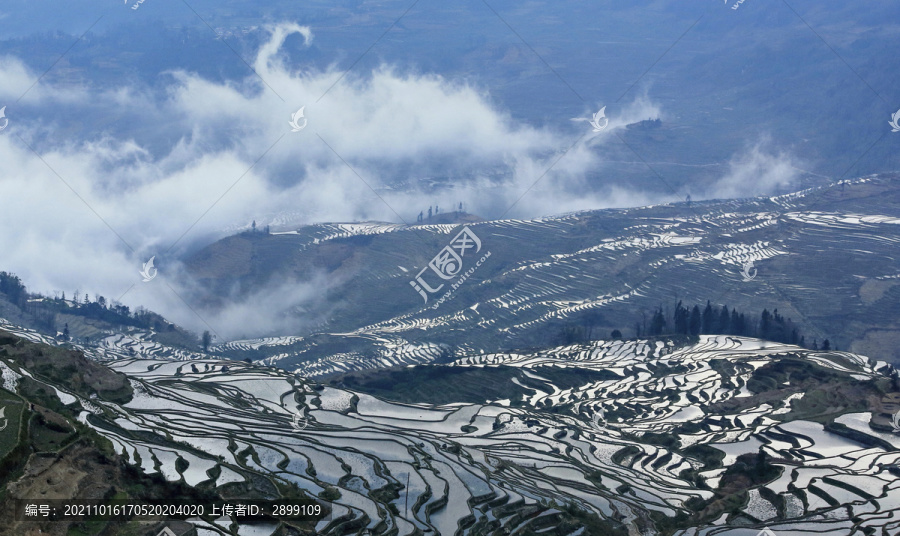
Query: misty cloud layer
x,y
202,156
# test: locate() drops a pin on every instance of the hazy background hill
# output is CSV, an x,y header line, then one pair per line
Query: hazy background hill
x,y
737,78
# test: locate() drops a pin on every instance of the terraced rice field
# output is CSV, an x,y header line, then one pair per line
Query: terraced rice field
x,y
471,466
609,265
612,266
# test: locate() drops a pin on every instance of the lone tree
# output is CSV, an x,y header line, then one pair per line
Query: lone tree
x,y
206,339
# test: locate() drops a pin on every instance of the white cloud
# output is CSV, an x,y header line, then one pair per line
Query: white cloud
x,y
757,171
195,152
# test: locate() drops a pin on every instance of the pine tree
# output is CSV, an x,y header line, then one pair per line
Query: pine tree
x,y
658,323
682,319
826,345
707,319
696,322
207,338
777,331
724,321
765,325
